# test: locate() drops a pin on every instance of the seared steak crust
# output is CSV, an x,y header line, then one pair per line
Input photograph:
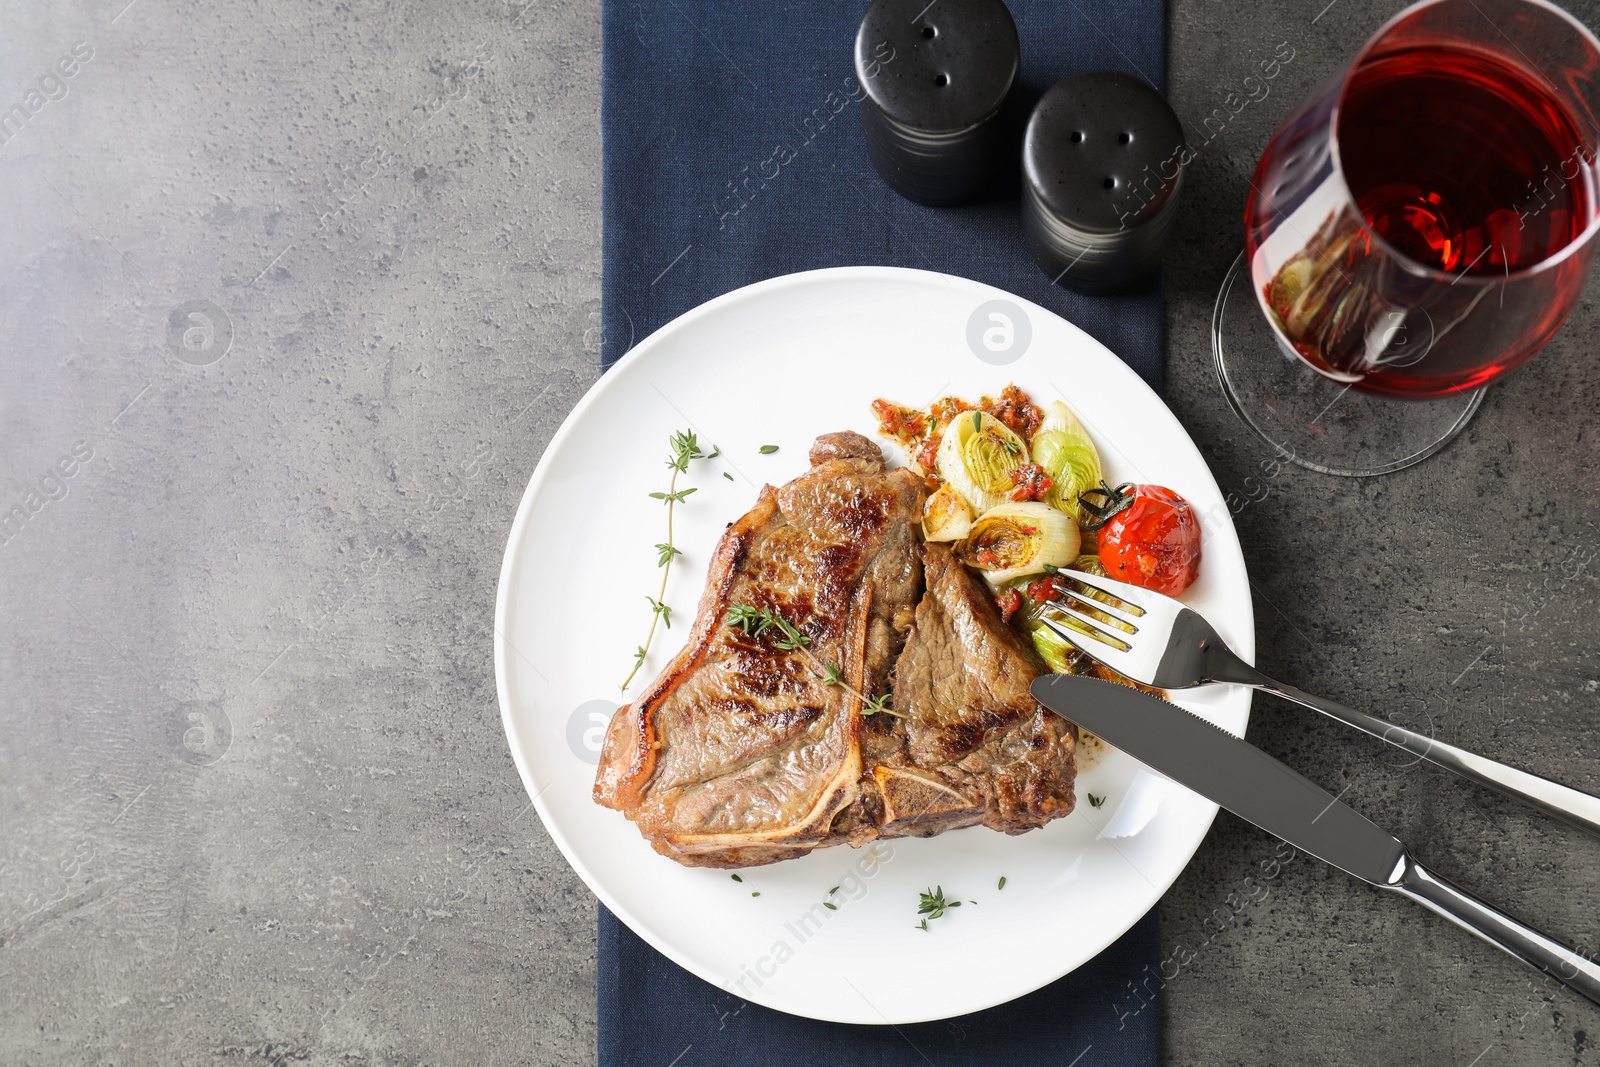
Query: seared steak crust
x,y
739,755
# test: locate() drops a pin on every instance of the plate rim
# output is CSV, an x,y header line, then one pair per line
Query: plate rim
x,y
593,396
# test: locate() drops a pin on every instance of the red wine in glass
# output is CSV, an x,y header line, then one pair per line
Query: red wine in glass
x,y
1462,162
1423,225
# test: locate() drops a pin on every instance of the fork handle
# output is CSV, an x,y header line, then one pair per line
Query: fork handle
x,y
1562,801
1572,969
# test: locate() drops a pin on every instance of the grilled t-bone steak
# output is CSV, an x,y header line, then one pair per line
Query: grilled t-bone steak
x,y
739,753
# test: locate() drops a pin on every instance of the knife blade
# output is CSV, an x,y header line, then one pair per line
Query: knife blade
x,y
1226,769
1259,789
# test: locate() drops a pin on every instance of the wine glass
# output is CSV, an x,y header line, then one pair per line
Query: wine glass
x,y
1418,227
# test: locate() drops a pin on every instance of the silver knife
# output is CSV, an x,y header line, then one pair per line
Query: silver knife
x,y
1236,775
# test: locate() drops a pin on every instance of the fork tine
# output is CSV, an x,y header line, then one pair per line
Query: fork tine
x,y
1119,607
1117,592
1081,609
1099,646
1094,611
1082,627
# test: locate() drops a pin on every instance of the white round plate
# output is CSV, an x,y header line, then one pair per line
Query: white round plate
x,y
778,363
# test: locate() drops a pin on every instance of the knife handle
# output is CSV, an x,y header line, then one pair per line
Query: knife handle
x,y
1572,969
1576,807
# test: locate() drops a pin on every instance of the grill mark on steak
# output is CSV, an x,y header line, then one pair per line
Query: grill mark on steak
x,y
738,755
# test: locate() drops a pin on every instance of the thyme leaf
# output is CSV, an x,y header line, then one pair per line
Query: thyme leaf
x,y
685,447
755,622
1115,500
879,705
933,905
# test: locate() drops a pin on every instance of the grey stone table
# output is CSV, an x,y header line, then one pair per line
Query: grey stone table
x,y
291,298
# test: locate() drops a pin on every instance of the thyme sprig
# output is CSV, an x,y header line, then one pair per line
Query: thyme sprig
x,y
755,622
933,905
685,447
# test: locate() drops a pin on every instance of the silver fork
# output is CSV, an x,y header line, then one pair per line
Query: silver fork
x,y
1156,640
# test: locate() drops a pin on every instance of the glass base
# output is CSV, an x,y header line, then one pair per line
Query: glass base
x,y
1314,421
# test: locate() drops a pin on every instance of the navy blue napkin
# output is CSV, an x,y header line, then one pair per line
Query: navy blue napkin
x,y
733,152
1104,1014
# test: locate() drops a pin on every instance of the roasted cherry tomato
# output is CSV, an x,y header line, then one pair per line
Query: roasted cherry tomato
x,y
1152,538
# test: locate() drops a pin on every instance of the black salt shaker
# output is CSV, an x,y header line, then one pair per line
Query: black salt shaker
x,y
1102,165
934,77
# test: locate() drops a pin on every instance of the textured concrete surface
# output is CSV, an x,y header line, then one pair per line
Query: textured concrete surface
x,y
291,298
1456,597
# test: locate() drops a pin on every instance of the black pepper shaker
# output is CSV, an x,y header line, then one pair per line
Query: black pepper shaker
x,y
1102,164
935,77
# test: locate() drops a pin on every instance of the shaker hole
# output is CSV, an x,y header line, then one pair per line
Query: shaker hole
x,y
1077,135
1124,138
942,79
1110,183
928,32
